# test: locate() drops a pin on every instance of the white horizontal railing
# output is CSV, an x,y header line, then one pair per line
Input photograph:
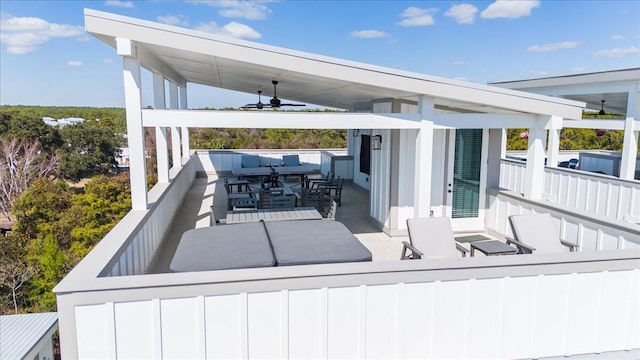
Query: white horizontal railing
x,y
599,195
512,175
144,235
224,161
525,306
578,227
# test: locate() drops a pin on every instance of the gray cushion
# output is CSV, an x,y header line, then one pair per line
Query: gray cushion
x,y
290,160
433,236
223,247
250,161
331,242
538,231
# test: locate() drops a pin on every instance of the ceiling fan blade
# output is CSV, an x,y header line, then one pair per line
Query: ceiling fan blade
x,y
293,105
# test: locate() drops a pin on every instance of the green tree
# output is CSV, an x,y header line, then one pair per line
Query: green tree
x,y
38,211
87,150
95,212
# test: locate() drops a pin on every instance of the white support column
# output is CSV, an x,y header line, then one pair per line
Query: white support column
x,y
176,152
162,148
135,130
186,150
631,131
503,144
424,154
553,147
534,182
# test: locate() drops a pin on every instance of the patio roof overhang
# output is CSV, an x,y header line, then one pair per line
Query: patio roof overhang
x,y
188,56
613,86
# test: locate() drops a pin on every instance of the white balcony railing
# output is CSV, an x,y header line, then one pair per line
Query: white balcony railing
x,y
486,307
599,195
525,306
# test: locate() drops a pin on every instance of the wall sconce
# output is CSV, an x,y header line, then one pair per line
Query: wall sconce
x,y
376,142
356,132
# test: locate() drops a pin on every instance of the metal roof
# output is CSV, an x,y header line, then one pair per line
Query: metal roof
x,y
185,55
20,333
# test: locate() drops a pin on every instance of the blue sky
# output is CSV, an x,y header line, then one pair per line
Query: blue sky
x,y
46,58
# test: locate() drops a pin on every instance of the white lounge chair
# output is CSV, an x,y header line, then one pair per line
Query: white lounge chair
x,y
431,237
537,232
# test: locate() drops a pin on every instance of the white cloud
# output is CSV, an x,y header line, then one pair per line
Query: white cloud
x,y
413,16
616,37
509,9
232,29
369,34
107,61
23,35
118,3
617,52
462,13
74,63
553,46
250,10
178,20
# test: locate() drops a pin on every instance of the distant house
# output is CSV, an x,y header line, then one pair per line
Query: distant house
x,y
62,122
27,336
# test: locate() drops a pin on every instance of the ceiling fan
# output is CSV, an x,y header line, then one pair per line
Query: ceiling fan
x,y
273,103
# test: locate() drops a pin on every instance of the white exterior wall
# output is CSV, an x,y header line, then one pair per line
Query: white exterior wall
x,y
380,179
361,179
502,317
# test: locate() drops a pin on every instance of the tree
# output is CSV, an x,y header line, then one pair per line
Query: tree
x,y
88,149
14,271
21,162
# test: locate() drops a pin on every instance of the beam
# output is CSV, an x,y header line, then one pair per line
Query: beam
x,y
534,172
186,150
278,120
176,151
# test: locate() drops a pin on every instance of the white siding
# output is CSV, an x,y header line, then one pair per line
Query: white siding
x,y
512,317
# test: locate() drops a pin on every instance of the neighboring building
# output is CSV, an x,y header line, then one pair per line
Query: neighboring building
x,y
62,122
27,336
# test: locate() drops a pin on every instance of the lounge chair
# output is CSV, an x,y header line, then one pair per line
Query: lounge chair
x,y
537,232
431,237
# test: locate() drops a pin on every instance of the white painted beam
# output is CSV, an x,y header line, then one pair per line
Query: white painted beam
x,y
608,124
162,149
135,132
278,120
483,121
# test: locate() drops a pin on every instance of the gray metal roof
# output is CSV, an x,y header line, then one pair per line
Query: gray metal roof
x,y
20,333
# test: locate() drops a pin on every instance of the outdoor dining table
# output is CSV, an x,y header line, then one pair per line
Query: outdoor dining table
x,y
300,170
285,214
268,170
266,244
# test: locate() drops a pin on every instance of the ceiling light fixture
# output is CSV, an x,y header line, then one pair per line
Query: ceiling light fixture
x,y
602,108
